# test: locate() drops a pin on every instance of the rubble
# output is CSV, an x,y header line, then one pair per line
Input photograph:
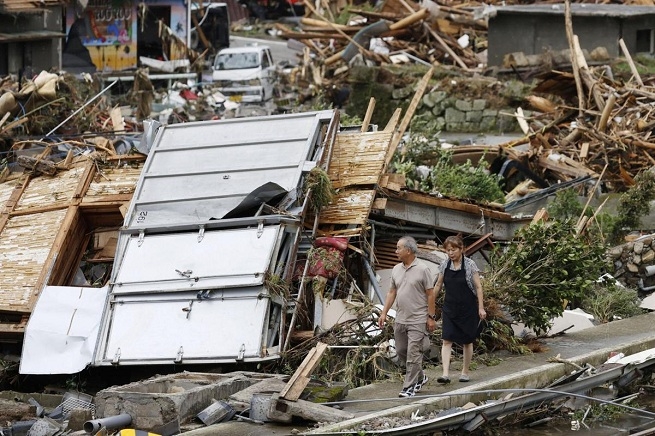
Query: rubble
x,y
66,193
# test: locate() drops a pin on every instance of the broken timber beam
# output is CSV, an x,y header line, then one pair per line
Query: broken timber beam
x,y
300,378
281,409
37,165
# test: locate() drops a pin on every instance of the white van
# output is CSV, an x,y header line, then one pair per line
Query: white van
x,y
245,74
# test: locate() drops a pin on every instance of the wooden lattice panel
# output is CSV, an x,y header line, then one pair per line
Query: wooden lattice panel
x,y
50,191
358,158
25,243
348,207
5,192
113,181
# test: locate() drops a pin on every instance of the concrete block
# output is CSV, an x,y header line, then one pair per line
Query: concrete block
x,y
161,399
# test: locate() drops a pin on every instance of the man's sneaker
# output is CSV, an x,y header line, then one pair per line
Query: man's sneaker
x,y
407,392
420,384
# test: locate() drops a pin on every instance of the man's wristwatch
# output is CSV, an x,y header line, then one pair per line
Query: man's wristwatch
x,y
434,317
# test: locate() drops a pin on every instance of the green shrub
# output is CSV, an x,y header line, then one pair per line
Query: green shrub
x,y
634,204
467,181
565,206
547,266
608,300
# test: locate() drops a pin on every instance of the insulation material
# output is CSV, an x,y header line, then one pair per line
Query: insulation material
x,y
50,191
348,207
25,243
113,181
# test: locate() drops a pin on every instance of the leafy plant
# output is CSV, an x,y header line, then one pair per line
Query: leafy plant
x,y
634,204
548,265
565,206
608,300
437,173
466,181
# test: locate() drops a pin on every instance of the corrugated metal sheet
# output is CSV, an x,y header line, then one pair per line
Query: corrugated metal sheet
x,y
182,276
200,171
180,327
188,261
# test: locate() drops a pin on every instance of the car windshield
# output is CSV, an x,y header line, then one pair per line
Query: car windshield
x,y
236,61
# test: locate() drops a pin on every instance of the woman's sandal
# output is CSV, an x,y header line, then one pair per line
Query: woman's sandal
x,y
464,378
443,380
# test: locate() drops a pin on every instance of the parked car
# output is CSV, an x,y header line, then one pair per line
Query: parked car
x,y
245,74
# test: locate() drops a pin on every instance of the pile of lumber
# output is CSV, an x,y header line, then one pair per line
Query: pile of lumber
x,y
603,127
405,31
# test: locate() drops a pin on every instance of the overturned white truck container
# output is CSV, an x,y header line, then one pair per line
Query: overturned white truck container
x,y
218,210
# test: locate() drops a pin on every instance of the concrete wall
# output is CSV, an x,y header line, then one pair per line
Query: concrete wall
x,y
34,53
535,33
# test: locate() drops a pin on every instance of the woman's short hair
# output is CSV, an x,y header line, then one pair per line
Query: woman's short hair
x,y
454,241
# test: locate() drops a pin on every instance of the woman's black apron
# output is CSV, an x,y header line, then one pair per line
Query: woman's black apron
x,y
460,319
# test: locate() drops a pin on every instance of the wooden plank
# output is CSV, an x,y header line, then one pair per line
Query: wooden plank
x,y
379,203
540,216
398,133
393,121
368,115
85,179
449,204
300,378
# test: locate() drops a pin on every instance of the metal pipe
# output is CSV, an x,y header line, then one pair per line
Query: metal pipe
x,y
109,423
503,391
81,107
373,279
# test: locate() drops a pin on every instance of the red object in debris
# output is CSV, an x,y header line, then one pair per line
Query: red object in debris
x,y
187,94
325,262
340,243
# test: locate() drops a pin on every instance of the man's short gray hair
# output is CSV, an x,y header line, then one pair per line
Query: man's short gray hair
x,y
409,243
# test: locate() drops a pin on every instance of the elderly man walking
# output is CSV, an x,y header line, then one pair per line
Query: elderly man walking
x,y
412,290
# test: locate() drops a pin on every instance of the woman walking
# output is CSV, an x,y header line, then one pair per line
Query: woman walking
x,y
463,307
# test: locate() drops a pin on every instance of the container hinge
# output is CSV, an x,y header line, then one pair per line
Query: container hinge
x,y
242,353
260,229
142,235
188,309
180,354
201,232
117,357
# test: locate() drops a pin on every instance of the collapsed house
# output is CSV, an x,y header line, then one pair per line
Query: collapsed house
x,y
218,234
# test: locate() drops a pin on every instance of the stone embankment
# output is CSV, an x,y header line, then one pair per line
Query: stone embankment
x,y
634,263
468,115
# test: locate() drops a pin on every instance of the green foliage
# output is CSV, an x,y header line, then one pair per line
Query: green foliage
x,y
608,300
565,206
350,120
467,181
547,266
500,336
634,204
